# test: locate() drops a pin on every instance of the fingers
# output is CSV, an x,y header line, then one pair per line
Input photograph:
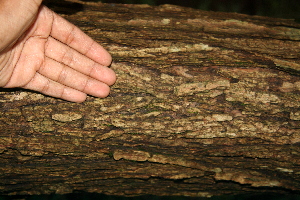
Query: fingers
x,y
69,77
46,86
57,59
71,58
72,36
74,63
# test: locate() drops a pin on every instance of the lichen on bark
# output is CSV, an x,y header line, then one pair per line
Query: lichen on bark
x,y
206,103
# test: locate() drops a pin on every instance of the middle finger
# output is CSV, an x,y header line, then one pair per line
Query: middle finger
x,y
69,57
65,75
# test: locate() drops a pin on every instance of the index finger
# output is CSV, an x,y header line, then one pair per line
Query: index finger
x,y
72,36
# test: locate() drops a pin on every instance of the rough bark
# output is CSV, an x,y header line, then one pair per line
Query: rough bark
x,y
206,103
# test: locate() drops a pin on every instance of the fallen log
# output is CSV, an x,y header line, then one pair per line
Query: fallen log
x,y
206,103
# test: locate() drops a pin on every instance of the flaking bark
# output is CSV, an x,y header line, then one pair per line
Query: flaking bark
x,y
206,103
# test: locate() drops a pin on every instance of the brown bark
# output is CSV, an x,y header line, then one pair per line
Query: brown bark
x,y
206,103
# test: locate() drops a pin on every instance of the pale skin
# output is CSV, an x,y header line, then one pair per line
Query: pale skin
x,y
41,51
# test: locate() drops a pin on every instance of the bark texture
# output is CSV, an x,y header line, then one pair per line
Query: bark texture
x,y
206,103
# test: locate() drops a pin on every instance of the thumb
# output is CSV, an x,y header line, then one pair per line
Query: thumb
x,y
16,16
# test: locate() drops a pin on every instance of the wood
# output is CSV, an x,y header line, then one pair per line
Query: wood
x,y
206,103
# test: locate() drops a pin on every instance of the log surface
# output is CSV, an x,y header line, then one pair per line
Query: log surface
x,y
206,103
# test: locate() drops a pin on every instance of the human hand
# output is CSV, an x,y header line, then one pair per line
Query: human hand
x,y
52,56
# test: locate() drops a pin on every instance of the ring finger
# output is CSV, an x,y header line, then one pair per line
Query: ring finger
x,y
67,76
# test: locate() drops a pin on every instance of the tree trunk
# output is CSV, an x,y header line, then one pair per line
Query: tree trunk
x,y
206,103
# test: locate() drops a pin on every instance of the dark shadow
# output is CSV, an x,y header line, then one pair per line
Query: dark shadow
x,y
10,89
63,7
95,196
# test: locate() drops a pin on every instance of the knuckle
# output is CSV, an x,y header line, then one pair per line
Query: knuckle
x,y
62,75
